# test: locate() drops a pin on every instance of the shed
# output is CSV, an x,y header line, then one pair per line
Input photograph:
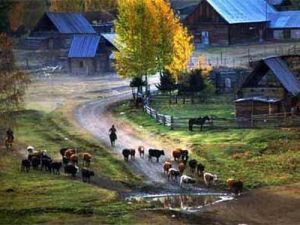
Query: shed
x,y
270,84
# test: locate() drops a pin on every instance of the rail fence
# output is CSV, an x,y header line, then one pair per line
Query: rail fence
x,y
255,121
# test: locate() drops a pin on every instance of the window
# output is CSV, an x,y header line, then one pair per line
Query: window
x,y
81,64
278,34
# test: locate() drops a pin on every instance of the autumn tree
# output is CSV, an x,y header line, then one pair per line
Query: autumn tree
x,y
82,5
13,82
150,39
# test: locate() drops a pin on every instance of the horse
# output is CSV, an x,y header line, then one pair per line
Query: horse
x,y
113,138
198,121
9,142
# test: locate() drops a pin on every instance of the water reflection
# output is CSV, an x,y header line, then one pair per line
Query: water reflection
x,y
182,202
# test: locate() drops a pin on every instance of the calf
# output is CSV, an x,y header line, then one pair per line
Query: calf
x,y
167,166
74,159
176,154
155,153
200,169
193,164
25,165
209,178
141,150
181,167
235,186
184,155
186,180
69,152
71,169
132,153
86,157
55,167
126,153
173,174
86,174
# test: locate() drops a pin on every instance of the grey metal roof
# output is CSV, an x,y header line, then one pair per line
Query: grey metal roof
x,y
259,99
284,75
285,19
71,23
84,46
243,11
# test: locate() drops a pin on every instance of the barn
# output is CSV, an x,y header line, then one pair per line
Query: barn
x,y
91,54
226,22
272,87
56,30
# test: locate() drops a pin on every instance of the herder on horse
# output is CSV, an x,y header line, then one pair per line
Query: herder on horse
x,y
112,135
9,139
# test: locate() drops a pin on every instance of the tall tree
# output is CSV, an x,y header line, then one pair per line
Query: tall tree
x,y
150,39
13,82
5,7
67,5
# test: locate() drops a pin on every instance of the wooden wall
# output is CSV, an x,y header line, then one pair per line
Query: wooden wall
x,y
246,108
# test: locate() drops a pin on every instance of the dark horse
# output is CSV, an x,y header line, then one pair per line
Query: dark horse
x,y
112,135
198,121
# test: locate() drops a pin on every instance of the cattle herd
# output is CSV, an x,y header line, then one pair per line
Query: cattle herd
x,y
176,173
70,162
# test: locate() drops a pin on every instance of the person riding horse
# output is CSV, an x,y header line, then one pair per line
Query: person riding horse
x,y
9,138
112,135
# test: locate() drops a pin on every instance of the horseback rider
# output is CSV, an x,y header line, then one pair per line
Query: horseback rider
x,y
113,135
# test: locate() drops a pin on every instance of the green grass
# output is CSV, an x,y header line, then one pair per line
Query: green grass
x,y
39,197
260,157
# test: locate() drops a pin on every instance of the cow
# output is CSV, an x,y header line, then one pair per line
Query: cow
x,y
74,159
181,167
65,160
176,154
71,169
35,162
46,164
184,155
193,164
25,165
155,153
30,149
184,179
235,186
86,174
62,151
209,178
173,174
126,153
167,166
141,150
69,152
55,167
86,157
200,169
132,153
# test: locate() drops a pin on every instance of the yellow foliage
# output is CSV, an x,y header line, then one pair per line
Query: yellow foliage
x,y
203,66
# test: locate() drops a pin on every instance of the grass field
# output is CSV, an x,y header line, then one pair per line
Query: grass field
x,y
260,157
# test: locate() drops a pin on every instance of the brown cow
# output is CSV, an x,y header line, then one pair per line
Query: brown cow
x,y
181,167
141,150
69,152
176,154
86,157
235,186
167,166
74,159
132,153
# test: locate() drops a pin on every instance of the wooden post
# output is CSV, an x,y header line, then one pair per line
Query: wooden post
x,y
164,120
172,123
156,117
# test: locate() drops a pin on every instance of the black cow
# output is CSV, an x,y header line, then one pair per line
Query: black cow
x,y
46,163
35,162
126,153
155,153
193,164
200,169
184,155
62,151
25,165
55,167
86,175
65,160
71,169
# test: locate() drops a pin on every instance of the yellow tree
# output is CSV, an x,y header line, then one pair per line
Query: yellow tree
x,y
96,5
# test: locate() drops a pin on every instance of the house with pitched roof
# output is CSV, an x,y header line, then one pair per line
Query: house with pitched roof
x,y
272,87
225,22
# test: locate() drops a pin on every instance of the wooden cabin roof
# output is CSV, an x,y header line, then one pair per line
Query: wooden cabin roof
x,y
70,23
84,46
280,70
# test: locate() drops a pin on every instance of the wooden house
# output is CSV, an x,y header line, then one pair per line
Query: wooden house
x,y
56,30
91,54
272,87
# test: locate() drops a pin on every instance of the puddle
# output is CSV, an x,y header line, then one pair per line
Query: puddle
x,y
180,202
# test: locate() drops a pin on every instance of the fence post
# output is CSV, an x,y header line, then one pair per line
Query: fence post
x,y
156,117
164,120
172,125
